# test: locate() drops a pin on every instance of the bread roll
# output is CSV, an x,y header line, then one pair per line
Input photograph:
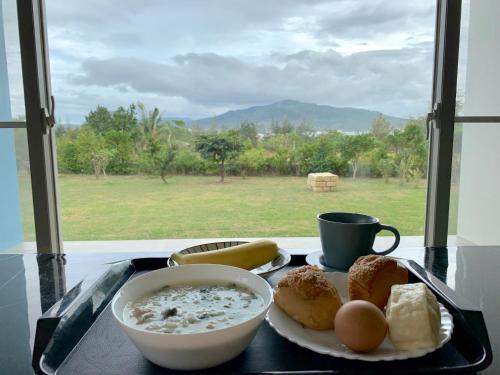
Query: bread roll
x,y
413,316
372,276
308,297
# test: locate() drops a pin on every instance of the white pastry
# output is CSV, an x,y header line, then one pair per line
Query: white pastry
x,y
413,316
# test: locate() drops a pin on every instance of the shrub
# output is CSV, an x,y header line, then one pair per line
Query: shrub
x,y
124,155
322,156
189,162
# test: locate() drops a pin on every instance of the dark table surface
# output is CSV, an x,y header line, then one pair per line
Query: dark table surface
x,y
30,284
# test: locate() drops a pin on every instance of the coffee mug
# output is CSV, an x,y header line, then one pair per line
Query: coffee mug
x,y
347,236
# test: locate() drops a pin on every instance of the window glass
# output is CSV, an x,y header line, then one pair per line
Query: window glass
x,y
17,230
474,201
477,90
474,194
11,82
16,213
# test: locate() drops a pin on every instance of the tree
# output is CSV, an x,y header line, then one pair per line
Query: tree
x,y
385,167
381,127
150,156
100,120
286,127
353,148
125,120
305,130
166,158
169,131
92,152
323,155
284,147
100,158
410,149
407,168
67,155
219,147
248,131
124,153
252,161
187,161
149,120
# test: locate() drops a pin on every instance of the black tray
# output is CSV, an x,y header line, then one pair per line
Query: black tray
x,y
78,335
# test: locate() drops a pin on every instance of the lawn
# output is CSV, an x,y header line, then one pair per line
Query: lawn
x,y
139,207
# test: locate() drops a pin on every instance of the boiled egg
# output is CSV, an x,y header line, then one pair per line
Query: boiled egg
x,y
360,325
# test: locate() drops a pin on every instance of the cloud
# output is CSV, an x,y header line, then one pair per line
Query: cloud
x,y
365,19
170,25
394,81
76,102
203,57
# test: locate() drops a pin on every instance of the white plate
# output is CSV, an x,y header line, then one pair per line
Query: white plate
x,y
326,342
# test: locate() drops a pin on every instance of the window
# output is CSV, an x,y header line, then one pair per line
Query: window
x,y
300,85
140,137
474,199
25,106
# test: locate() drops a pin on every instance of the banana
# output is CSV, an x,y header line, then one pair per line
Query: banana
x,y
248,256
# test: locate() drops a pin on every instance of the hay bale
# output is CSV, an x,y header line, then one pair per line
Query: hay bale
x,y
322,182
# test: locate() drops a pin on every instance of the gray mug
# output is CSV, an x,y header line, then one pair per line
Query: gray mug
x,y
347,236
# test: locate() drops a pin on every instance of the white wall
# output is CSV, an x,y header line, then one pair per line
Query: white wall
x,y
479,189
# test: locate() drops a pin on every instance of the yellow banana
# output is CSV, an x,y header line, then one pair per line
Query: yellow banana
x,y
248,256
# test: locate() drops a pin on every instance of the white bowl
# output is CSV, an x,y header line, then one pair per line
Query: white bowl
x,y
192,351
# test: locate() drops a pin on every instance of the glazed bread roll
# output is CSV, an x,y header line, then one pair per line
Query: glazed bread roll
x,y
372,276
308,297
413,316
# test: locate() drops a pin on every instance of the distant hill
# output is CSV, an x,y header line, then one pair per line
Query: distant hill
x,y
321,117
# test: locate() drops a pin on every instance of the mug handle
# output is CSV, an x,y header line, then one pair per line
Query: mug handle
x,y
396,240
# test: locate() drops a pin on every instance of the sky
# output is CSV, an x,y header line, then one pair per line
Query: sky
x,y
201,58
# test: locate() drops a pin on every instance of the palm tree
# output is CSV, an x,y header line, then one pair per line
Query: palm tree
x,y
149,120
171,128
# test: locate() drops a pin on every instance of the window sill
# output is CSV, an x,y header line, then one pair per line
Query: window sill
x,y
294,245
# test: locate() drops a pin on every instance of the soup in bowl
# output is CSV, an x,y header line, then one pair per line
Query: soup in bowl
x,y
193,316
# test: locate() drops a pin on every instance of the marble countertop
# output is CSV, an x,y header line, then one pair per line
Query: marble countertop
x,y
31,284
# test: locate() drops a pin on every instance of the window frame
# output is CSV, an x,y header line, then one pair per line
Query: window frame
x,y
12,124
441,121
41,140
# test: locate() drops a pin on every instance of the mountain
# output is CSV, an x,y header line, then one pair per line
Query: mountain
x,y
321,117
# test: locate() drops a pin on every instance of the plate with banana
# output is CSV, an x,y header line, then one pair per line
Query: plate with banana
x,y
262,257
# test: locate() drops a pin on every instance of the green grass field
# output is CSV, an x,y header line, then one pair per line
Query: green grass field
x,y
139,207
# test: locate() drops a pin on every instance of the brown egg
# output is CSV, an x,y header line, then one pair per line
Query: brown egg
x,y
360,325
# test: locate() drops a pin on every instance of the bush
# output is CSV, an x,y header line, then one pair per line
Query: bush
x,y
252,161
386,168
116,142
322,156
189,162
124,156
67,156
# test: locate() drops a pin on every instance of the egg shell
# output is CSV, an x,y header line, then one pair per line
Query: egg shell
x,y
360,325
